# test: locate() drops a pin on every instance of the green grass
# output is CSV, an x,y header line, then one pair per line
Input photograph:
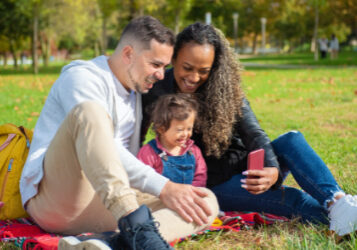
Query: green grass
x,y
320,102
23,94
345,58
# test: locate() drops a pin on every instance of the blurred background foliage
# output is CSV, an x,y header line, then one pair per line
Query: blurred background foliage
x,y
42,31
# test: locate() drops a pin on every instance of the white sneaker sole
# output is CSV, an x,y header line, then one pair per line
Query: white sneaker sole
x,y
72,243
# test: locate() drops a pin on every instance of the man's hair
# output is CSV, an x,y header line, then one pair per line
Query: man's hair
x,y
172,106
145,28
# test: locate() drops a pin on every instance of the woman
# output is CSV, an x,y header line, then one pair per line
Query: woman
x,y
204,64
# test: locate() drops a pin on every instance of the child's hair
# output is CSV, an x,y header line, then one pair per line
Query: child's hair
x,y
172,106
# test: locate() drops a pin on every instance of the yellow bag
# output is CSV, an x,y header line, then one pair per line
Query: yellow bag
x,y
14,148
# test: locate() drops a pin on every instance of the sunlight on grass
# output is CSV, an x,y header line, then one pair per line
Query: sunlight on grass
x,y
321,103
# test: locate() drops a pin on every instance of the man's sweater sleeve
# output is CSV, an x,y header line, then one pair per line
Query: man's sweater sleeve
x,y
141,176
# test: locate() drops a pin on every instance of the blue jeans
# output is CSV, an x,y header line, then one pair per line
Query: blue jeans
x,y
310,172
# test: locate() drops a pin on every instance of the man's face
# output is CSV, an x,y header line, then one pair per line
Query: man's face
x,y
148,66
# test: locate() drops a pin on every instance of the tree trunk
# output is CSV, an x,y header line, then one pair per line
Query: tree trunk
x,y
254,49
45,48
34,38
96,49
13,53
5,59
104,36
316,53
132,10
22,58
48,52
177,22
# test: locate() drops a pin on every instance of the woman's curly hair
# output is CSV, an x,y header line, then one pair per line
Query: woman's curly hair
x,y
222,95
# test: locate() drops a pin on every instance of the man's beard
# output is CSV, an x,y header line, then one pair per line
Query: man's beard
x,y
137,86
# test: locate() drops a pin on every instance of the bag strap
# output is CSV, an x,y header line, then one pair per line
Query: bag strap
x,y
27,138
7,141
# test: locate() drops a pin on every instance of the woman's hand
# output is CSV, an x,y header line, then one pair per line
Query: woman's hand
x,y
259,181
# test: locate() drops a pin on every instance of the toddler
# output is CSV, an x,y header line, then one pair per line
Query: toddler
x,y
172,153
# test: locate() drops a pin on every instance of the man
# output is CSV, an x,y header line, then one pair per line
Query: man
x,y
81,170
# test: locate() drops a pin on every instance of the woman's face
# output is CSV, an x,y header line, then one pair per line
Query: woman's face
x,y
192,66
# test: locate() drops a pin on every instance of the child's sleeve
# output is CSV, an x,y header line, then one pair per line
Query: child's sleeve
x,y
148,156
200,177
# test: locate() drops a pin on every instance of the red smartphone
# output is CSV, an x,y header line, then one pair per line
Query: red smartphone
x,y
256,160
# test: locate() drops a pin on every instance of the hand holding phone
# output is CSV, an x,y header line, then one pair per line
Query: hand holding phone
x,y
256,160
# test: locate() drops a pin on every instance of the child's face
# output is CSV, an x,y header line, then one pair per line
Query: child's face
x,y
178,133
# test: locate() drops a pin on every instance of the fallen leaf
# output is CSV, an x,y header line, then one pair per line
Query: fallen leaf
x,y
35,114
249,73
355,92
331,80
258,240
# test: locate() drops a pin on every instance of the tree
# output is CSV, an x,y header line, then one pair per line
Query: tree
x,y
344,14
291,26
14,25
35,18
4,48
107,7
178,9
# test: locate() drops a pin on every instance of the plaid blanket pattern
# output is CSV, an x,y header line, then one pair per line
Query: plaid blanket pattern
x,y
25,234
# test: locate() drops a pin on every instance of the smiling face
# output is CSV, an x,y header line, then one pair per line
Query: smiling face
x,y
192,66
179,132
147,66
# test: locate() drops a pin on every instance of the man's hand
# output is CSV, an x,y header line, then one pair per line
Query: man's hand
x,y
259,181
187,201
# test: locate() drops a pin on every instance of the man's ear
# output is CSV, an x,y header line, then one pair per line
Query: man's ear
x,y
128,54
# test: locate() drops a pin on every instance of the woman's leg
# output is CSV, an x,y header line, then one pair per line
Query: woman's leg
x,y
296,155
285,201
311,173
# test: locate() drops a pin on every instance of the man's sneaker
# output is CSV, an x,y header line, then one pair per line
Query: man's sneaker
x,y
103,241
139,231
343,215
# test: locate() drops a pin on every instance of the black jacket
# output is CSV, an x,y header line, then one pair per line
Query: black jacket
x,y
247,136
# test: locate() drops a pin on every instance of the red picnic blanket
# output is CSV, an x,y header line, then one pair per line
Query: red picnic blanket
x,y
25,234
